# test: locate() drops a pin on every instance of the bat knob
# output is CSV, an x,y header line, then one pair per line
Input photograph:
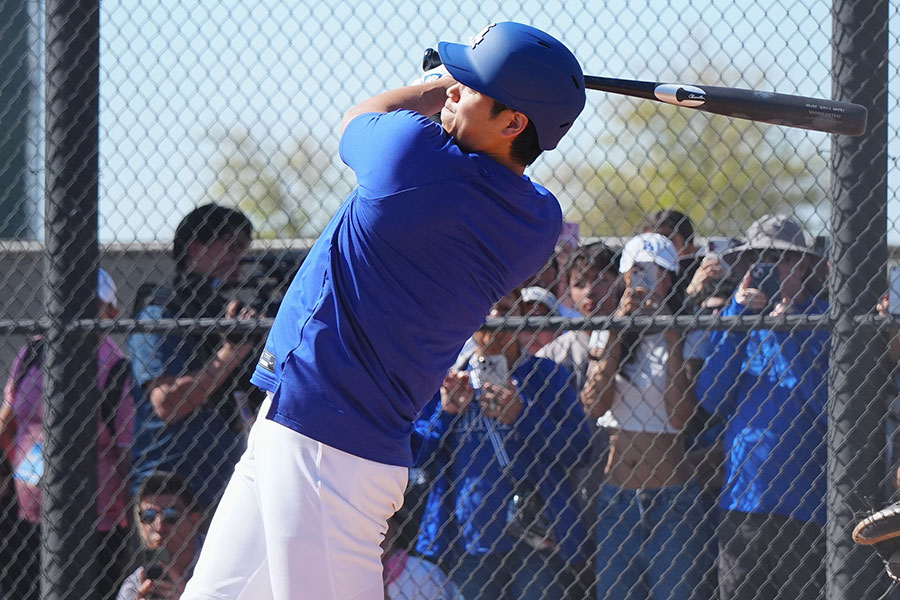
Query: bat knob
x,y
431,59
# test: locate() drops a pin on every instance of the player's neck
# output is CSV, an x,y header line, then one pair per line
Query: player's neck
x,y
508,162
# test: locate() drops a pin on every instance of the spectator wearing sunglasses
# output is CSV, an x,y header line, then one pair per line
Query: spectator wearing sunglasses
x,y
168,523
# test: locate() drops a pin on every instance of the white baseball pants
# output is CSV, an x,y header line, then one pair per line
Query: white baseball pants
x,y
298,520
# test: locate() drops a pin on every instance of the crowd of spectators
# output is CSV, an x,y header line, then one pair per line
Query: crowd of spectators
x,y
702,473
625,462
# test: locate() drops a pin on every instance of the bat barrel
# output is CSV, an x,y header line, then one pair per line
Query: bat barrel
x,y
815,114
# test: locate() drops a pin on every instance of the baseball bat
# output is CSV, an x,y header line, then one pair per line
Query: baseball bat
x,y
816,114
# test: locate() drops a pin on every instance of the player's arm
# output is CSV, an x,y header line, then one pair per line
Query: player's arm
x,y
425,98
175,396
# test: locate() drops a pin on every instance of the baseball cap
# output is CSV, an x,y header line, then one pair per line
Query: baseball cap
x,y
649,248
106,288
525,69
775,232
546,297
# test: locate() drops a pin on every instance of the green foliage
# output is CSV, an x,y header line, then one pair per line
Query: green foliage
x,y
722,172
287,192
247,179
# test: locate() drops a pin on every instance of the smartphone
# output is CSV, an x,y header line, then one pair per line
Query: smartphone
x,y
764,277
154,569
154,572
153,561
894,293
488,369
719,245
645,276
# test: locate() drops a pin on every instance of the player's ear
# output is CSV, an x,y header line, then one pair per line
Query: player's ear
x,y
516,123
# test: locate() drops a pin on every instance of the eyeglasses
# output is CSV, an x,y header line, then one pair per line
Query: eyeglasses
x,y
169,515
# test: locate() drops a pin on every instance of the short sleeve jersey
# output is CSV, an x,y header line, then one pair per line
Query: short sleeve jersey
x,y
404,272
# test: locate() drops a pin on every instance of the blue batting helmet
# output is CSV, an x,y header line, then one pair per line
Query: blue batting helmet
x,y
525,69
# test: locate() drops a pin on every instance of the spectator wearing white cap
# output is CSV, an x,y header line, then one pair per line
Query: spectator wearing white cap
x,y
648,509
539,302
23,439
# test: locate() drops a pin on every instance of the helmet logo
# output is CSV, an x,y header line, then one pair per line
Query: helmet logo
x,y
480,37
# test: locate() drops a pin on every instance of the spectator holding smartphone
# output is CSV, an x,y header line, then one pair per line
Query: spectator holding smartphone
x,y
594,290
22,436
769,387
708,292
505,425
168,521
648,509
679,229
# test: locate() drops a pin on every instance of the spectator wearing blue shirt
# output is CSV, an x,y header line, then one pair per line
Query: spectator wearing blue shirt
x,y
186,420
505,434
770,387
443,223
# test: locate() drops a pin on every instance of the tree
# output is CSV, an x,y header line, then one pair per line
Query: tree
x,y
723,173
288,192
248,179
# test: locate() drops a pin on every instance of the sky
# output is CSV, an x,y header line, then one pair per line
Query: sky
x,y
176,74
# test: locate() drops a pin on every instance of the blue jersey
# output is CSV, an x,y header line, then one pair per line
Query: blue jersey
x,y
770,387
406,270
476,464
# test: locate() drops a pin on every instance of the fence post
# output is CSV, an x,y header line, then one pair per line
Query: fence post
x,y
858,257
69,513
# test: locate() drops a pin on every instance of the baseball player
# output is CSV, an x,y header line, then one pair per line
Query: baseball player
x,y
443,224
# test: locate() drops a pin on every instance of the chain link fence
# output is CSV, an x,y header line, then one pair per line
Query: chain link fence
x,y
699,441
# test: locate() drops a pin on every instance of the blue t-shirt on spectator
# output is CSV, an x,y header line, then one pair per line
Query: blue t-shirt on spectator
x,y
771,387
203,447
476,464
403,274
